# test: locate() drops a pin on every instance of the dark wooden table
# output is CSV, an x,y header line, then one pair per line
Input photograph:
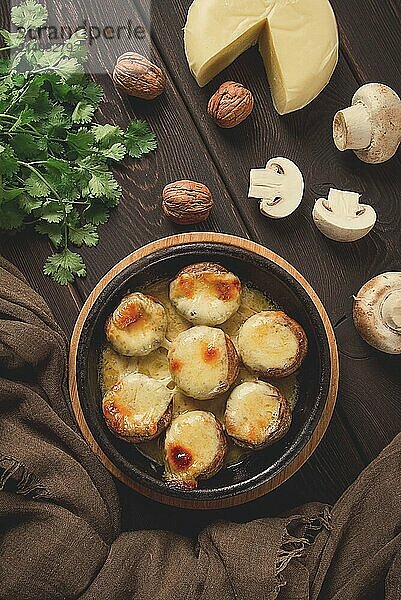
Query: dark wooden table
x,y
368,412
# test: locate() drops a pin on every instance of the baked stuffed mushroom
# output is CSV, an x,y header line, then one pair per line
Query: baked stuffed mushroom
x,y
272,344
138,408
206,294
203,362
256,415
195,447
137,326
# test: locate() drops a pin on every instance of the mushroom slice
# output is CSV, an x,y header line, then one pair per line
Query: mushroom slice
x,y
137,326
377,312
371,127
256,415
138,408
280,186
342,218
203,362
272,344
206,294
195,448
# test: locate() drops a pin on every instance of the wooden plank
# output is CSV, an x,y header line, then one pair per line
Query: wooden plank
x,y
370,38
29,253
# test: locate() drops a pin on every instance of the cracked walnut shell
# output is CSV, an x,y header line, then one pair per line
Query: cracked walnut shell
x,y
137,76
187,202
230,105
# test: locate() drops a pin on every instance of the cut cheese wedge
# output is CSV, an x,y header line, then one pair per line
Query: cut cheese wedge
x,y
298,40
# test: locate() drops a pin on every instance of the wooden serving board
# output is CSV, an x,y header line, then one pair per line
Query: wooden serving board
x,y
326,415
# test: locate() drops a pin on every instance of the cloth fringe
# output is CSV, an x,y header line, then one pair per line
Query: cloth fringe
x,y
15,477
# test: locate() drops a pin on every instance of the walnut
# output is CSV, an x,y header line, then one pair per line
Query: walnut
x,y
187,202
137,76
230,105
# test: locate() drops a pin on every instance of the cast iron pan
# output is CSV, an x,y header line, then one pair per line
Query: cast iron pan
x,y
261,471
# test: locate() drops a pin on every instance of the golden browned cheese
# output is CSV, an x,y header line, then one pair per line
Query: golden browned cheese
x,y
138,408
137,326
195,447
203,362
114,366
272,344
206,294
256,414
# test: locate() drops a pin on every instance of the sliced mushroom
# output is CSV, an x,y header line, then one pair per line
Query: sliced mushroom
x,y
280,187
203,362
377,312
372,125
206,294
272,344
137,326
195,448
257,415
138,408
342,218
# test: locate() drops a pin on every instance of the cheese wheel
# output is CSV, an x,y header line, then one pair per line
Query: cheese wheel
x,y
298,41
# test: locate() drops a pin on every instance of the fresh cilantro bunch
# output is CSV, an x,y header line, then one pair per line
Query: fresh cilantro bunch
x,y
54,160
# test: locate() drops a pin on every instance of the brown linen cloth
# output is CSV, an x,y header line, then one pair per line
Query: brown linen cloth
x,y
60,516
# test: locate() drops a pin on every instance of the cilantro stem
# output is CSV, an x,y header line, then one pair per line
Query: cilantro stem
x,y
39,174
18,97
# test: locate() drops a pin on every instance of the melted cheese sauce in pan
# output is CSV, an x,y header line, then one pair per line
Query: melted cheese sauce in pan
x,y
113,367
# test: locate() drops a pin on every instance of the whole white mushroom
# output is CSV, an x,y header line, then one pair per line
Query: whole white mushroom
x,y
377,312
371,127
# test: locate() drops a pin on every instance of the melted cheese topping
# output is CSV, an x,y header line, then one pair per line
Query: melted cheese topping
x,y
253,412
198,362
114,367
137,326
193,443
266,342
135,405
206,298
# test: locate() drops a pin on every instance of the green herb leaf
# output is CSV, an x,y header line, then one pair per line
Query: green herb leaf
x,y
140,139
29,15
8,161
65,266
54,160
115,152
83,113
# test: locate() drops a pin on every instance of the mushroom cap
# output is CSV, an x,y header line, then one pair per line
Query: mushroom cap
x,y
384,107
377,312
286,188
342,218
